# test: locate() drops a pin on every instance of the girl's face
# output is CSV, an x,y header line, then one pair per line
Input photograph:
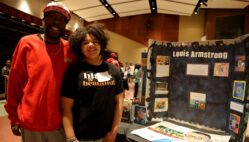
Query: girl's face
x,y
90,48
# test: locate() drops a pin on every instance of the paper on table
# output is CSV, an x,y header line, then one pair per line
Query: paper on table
x,y
152,135
166,131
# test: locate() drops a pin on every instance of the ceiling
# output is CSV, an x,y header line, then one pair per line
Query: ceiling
x,y
93,10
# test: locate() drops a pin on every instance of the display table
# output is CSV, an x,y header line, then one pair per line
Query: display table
x,y
167,130
135,138
126,128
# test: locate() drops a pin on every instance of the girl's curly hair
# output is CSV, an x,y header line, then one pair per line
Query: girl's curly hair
x,y
95,29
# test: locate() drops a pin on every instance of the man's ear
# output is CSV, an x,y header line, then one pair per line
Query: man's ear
x,y
43,23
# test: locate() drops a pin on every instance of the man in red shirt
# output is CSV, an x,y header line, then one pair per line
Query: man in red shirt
x,y
38,65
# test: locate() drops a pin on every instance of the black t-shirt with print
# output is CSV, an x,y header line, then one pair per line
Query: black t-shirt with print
x,y
93,89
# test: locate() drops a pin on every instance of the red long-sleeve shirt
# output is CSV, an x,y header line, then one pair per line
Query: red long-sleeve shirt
x,y
33,93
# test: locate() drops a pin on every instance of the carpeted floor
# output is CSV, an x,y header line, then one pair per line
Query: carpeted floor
x,y
2,110
5,131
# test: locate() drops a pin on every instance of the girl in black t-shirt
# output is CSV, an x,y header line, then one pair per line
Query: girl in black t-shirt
x,y
92,92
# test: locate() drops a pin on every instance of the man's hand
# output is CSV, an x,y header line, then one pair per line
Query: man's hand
x,y
16,129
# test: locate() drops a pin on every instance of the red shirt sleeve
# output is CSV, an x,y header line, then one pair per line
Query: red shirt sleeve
x,y
17,79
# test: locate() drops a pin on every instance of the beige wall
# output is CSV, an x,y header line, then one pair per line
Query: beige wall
x,y
191,28
35,8
128,50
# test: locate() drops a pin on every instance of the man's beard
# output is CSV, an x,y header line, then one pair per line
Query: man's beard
x,y
54,34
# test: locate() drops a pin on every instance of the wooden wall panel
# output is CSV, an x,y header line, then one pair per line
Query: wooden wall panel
x,y
211,15
37,21
247,20
140,28
20,15
3,8
12,11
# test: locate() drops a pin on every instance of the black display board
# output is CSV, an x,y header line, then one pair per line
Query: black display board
x,y
203,83
214,90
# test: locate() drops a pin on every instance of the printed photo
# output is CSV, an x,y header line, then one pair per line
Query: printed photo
x,y
161,104
161,88
162,66
140,115
240,63
197,100
162,60
239,90
127,108
234,122
221,69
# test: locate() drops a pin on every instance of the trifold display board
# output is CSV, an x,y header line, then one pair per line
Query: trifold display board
x,y
204,83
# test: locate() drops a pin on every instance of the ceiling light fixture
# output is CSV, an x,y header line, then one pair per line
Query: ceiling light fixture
x,y
198,5
109,8
153,6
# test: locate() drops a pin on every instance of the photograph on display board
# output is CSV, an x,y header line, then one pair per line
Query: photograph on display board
x,y
197,100
239,107
239,90
162,66
140,114
197,69
221,69
240,63
161,88
161,104
234,122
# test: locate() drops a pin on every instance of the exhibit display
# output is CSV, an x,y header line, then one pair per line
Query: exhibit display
x,y
202,83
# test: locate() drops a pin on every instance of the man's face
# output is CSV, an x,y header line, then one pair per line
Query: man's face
x,y
8,63
55,24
